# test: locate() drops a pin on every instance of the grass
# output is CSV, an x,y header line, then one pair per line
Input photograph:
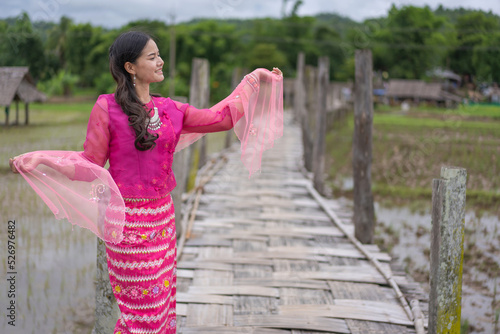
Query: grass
x,y
410,148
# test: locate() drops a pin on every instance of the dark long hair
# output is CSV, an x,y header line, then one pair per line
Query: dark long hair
x,y
127,48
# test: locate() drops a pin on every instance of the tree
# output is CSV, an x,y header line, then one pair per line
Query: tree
x,y
413,41
22,46
486,58
473,31
267,56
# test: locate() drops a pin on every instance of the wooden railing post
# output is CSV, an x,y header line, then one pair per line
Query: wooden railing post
x,y
300,111
199,96
364,216
106,310
320,133
447,250
238,74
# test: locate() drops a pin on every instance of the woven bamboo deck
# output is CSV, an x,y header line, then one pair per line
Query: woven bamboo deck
x,y
264,257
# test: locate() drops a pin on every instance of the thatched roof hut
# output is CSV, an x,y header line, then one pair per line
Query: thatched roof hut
x,y
418,90
17,85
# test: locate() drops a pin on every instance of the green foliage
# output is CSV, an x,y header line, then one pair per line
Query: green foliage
x,y
476,37
61,84
411,43
267,56
104,83
406,43
22,46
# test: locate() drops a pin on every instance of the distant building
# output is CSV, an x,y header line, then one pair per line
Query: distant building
x,y
17,85
493,94
418,91
449,80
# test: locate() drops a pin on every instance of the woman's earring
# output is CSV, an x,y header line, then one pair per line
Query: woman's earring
x,y
134,80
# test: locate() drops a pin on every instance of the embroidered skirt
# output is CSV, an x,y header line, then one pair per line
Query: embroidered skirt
x,y
142,269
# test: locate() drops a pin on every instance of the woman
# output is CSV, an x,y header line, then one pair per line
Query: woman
x,y
130,206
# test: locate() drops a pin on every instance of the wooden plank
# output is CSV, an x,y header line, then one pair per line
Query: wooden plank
x,y
201,242
369,327
240,260
209,315
181,273
204,265
350,252
249,290
283,283
231,236
295,296
248,305
284,255
293,216
352,309
191,298
362,291
228,220
212,277
297,322
181,309
236,330
338,273
247,271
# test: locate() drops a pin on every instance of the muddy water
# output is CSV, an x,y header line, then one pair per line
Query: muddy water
x,y
55,268
408,234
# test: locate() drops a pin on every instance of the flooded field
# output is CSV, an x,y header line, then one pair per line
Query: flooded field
x,y
406,234
55,265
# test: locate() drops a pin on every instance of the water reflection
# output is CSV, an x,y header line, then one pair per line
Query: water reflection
x,y
407,234
55,277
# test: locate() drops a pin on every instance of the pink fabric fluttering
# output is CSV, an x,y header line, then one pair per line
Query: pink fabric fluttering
x,y
76,189
76,186
257,106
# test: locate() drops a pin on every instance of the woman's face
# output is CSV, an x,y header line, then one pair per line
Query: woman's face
x,y
148,66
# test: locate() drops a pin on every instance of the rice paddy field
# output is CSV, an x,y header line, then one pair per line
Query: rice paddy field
x,y
409,149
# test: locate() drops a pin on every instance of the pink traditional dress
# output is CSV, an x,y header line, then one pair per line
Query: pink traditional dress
x,y
129,206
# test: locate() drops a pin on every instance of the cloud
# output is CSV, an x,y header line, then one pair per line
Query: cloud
x,y
115,13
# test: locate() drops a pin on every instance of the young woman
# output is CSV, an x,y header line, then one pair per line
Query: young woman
x,y
129,206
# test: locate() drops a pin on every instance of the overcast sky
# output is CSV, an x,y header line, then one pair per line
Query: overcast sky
x,y
114,13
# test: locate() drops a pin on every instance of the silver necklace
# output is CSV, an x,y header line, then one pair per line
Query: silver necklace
x,y
155,121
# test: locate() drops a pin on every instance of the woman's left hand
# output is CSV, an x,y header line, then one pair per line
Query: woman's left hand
x,y
277,71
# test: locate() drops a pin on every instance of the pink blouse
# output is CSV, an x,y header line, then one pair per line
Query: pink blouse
x,y
76,186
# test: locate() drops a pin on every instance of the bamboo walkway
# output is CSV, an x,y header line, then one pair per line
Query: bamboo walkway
x,y
264,256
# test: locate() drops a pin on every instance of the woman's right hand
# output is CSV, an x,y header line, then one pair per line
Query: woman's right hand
x,y
12,166
24,163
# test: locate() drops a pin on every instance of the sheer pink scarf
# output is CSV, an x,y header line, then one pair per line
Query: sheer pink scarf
x,y
259,117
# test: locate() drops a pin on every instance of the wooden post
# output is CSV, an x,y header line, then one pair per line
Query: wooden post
x,y
320,133
364,216
17,112
299,103
7,111
447,250
106,310
199,94
301,111
238,74
181,172
26,111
